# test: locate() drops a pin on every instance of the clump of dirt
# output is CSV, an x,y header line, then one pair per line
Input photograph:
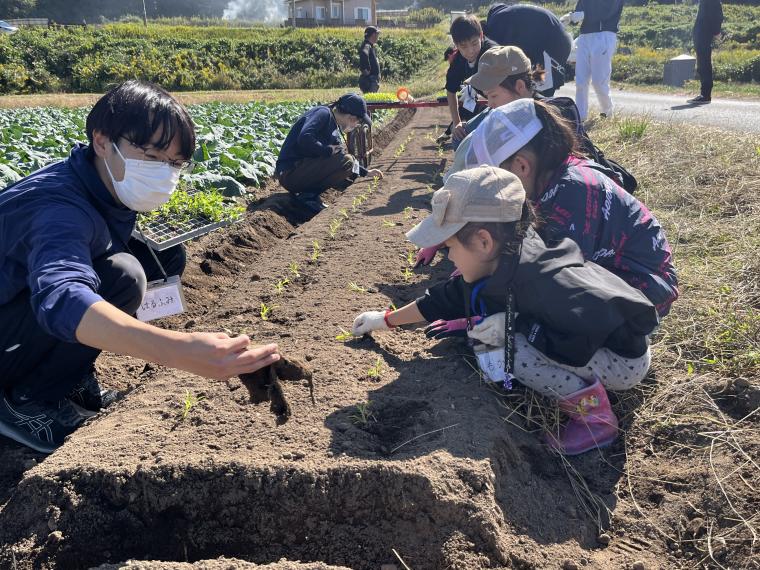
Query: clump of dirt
x,y
218,564
264,384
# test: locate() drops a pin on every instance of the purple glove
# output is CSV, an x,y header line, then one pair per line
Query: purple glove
x,y
426,255
457,327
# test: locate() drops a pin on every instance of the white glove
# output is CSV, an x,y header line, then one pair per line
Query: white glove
x,y
566,18
576,17
368,322
490,330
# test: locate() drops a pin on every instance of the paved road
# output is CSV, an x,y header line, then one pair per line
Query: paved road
x,y
730,114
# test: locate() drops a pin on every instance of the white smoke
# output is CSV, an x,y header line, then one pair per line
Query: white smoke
x,y
272,11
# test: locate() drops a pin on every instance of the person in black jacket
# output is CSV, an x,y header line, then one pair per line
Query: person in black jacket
x,y
313,156
467,36
707,27
597,43
369,80
537,32
539,313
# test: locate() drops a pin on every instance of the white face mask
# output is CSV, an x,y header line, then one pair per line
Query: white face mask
x,y
147,184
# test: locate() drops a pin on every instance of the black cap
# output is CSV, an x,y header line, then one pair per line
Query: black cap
x,y
369,30
355,105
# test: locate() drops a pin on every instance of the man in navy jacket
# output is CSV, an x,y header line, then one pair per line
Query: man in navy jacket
x,y
71,278
314,157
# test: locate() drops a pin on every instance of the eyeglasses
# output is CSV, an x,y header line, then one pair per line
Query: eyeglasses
x,y
183,165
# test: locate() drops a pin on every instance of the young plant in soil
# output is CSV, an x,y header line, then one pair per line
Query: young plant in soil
x,y
362,415
281,285
389,224
316,251
352,286
376,370
343,212
344,335
408,211
334,227
188,403
293,268
266,311
407,274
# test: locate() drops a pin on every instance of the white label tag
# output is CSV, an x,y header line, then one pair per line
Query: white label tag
x,y
469,101
356,167
162,299
491,362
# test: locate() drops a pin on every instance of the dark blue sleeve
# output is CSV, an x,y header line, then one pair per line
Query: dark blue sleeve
x,y
62,281
309,143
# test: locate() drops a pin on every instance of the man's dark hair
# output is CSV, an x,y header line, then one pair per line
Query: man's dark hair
x,y
464,28
136,110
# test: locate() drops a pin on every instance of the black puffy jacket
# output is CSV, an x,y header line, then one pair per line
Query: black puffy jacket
x,y
568,308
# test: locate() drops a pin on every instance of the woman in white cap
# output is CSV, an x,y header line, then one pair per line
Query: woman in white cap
x,y
560,325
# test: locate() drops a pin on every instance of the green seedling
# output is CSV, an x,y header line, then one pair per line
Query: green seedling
x,y
407,274
266,311
344,335
316,251
355,203
440,152
362,414
356,288
411,258
376,370
408,211
389,224
344,212
375,183
334,227
293,268
188,403
281,285
392,307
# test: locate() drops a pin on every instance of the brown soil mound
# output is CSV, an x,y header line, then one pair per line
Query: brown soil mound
x,y
402,447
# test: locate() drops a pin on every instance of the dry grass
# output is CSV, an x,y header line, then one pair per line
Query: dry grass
x,y
690,471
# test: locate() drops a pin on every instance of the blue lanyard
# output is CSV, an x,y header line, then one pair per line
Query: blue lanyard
x,y
474,300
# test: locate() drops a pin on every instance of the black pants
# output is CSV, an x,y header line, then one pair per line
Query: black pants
x,y
369,83
315,175
704,67
43,367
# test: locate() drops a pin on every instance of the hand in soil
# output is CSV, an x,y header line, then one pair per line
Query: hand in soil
x,y
264,384
368,322
216,355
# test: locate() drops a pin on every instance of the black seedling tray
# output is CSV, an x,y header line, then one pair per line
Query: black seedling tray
x,y
160,234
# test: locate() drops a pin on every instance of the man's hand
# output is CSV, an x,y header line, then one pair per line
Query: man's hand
x,y
368,322
216,355
375,173
459,131
336,149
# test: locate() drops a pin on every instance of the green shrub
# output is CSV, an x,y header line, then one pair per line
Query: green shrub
x,y
191,58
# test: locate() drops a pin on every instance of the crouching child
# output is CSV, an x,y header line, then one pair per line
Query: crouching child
x,y
560,325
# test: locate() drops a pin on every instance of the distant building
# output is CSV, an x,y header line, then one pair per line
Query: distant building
x,y
311,13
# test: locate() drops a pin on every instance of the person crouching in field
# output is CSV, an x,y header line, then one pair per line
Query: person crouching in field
x,y
562,326
71,276
574,196
314,157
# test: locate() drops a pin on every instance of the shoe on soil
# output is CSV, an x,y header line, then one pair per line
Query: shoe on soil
x,y
89,397
442,138
592,423
40,425
701,99
312,202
